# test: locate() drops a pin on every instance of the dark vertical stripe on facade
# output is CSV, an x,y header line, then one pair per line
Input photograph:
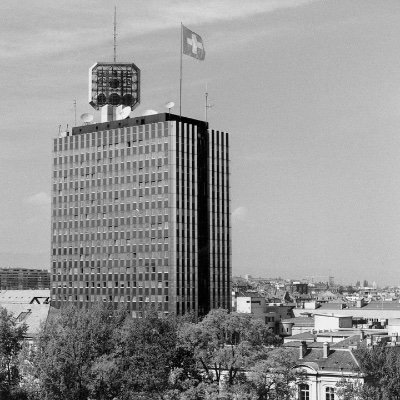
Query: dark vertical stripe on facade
x,y
203,221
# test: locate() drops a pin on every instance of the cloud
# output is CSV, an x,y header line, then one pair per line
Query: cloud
x,y
39,199
85,25
240,214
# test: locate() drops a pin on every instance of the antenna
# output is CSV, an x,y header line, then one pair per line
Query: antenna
x,y
115,33
75,110
207,106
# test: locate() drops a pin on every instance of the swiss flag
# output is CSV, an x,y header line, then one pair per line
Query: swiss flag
x,y
192,44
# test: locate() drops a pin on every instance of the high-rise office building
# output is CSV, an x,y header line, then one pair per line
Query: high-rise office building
x,y
141,215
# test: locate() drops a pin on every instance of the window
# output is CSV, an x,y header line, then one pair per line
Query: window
x,y
330,393
304,392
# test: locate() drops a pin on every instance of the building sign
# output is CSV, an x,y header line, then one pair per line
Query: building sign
x,y
115,84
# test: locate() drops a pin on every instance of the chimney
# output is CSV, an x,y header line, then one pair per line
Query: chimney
x,y
394,339
302,349
325,350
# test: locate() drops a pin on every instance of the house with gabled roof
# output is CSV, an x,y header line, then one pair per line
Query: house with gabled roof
x,y
324,366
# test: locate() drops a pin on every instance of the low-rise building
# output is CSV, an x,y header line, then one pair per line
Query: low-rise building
x,y
296,325
272,315
332,321
324,366
27,306
373,314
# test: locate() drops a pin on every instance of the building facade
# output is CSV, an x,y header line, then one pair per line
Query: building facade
x,y
324,367
141,215
24,278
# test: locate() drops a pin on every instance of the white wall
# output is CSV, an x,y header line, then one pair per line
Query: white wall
x,y
255,305
332,322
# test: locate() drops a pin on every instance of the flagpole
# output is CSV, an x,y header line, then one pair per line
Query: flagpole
x,y
180,78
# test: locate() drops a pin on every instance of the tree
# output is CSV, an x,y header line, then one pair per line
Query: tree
x,y
349,289
29,382
70,347
275,377
349,390
102,354
150,363
380,366
11,339
224,345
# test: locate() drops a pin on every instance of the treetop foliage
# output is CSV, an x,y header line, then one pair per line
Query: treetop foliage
x,y
99,353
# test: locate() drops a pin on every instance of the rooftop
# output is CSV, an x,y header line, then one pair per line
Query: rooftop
x,y
348,342
302,336
338,359
300,321
31,314
136,121
27,306
23,296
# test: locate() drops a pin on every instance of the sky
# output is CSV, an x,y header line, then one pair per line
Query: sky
x,y
309,91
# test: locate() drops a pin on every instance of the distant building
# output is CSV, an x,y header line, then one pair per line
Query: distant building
x,y
297,325
297,287
374,314
272,315
332,321
24,278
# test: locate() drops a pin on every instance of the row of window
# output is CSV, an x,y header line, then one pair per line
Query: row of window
x,y
125,137
104,177
68,229
304,392
158,206
104,249
111,298
113,284
112,196
150,265
112,200
136,206
129,168
108,263
161,149
138,231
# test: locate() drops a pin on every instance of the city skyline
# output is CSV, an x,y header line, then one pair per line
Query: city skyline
x,y
309,91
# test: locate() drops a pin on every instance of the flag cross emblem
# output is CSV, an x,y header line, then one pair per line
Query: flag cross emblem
x,y
194,43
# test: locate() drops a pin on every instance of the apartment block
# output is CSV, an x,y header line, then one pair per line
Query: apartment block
x,y
24,278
